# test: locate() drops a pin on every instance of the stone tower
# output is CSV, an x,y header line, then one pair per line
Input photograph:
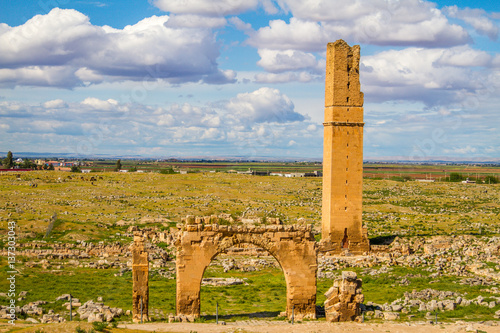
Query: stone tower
x,y
343,152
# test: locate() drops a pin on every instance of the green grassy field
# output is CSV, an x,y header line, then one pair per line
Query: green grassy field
x,y
370,170
264,296
92,209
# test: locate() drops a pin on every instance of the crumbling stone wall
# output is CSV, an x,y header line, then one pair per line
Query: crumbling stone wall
x,y
140,278
343,299
293,247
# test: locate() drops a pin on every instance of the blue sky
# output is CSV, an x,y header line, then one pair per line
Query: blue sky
x,y
181,78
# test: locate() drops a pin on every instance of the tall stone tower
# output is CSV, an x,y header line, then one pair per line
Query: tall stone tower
x,y
343,152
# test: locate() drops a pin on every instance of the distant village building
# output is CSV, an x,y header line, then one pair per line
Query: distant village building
x,y
314,174
298,174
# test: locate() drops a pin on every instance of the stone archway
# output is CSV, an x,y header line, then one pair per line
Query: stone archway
x,y
293,247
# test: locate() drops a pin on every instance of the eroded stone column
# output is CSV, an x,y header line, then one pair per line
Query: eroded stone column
x,y
140,278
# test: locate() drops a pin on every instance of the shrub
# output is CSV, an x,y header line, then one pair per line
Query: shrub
x,y
455,177
99,327
168,171
81,330
491,180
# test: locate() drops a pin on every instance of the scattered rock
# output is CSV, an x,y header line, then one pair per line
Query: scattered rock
x,y
391,316
343,299
222,282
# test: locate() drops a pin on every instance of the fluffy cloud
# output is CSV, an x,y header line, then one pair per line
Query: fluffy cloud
x,y
62,48
422,134
206,7
195,21
97,104
461,150
379,22
243,125
433,76
284,77
297,35
293,51
263,105
464,56
279,61
477,19
55,104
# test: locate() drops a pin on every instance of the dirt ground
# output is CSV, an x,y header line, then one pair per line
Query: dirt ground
x,y
316,327
260,326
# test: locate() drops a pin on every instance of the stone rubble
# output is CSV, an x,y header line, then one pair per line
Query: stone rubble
x,y
343,299
98,312
473,259
223,282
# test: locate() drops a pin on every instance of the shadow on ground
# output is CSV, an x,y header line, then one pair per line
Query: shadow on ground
x,y
260,315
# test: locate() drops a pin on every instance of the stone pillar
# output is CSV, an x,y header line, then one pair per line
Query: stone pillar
x,y
140,278
342,225
343,299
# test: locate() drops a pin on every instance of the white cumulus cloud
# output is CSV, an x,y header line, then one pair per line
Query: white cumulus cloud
x,y
380,22
260,119
263,105
279,61
55,104
284,77
477,18
433,76
98,104
62,48
206,7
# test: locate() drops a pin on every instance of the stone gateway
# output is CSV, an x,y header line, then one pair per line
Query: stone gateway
x,y
292,246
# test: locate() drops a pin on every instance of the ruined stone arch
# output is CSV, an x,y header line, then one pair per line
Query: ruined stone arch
x,y
293,247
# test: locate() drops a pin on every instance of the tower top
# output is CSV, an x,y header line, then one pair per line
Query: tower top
x,y
342,87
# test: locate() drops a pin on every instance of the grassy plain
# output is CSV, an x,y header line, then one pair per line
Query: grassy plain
x,y
92,209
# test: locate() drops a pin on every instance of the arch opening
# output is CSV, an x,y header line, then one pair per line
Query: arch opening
x,y
246,281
